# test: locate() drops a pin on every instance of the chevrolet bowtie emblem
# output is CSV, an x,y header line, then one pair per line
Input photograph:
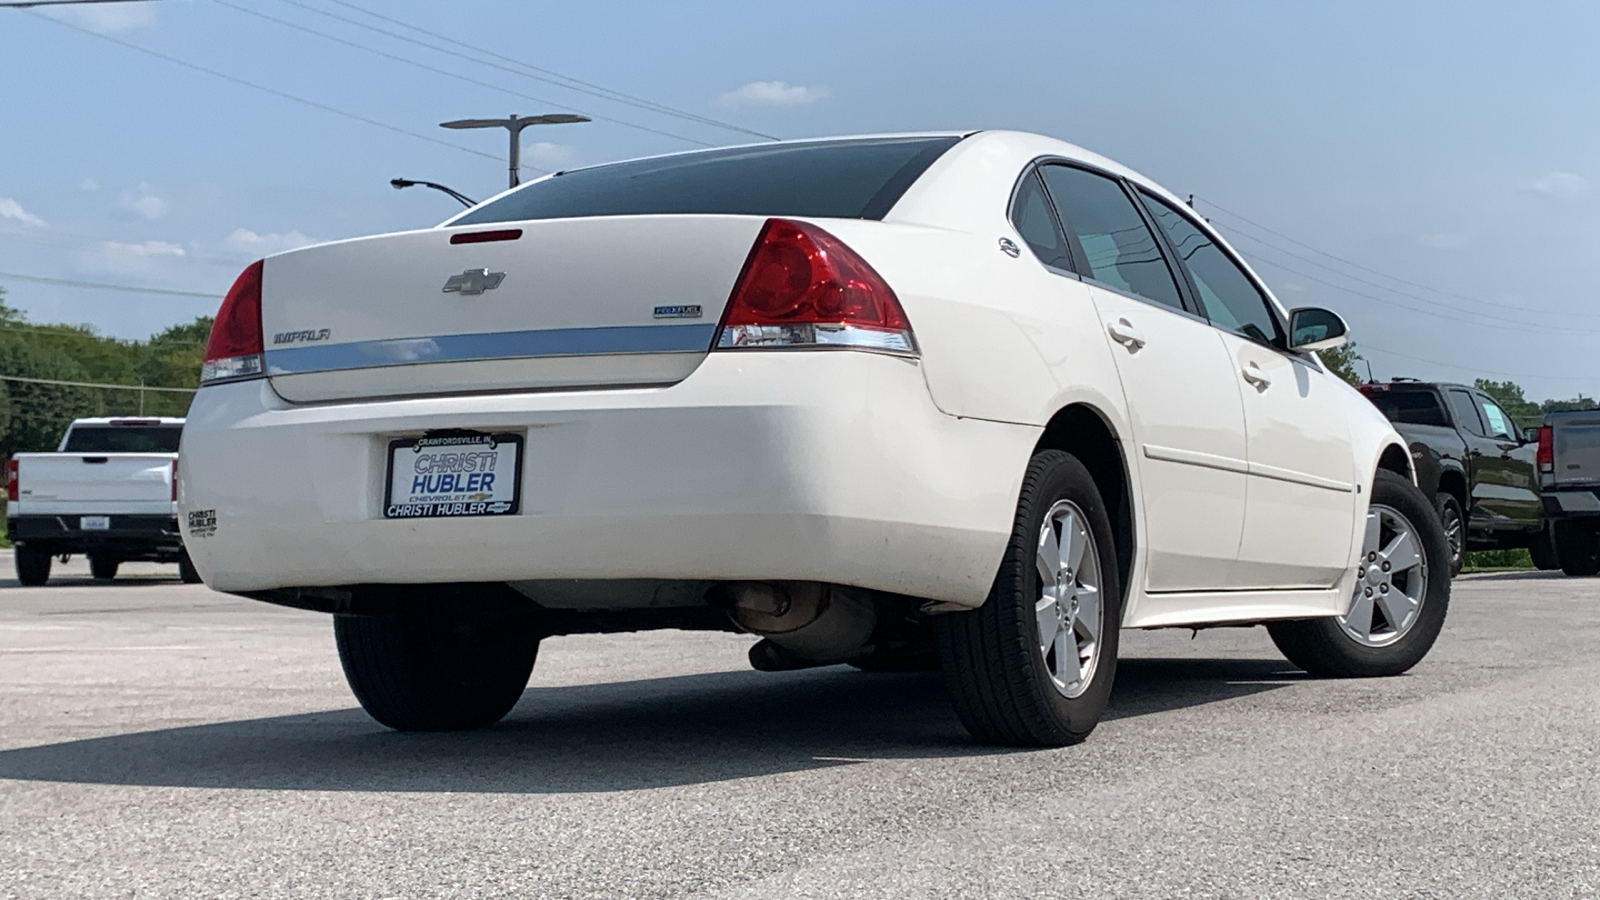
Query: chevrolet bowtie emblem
x,y
473,281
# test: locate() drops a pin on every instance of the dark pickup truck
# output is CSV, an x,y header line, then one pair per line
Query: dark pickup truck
x,y
1474,461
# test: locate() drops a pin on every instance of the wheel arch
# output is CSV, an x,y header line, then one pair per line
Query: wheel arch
x,y
1088,434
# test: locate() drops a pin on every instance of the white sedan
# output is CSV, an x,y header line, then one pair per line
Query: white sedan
x,y
974,400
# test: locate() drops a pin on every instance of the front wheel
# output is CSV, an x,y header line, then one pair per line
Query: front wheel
x,y
1033,666
33,565
1401,596
427,668
1578,547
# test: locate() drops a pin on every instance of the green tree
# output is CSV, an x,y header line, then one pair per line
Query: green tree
x,y
39,413
1579,402
1341,361
1508,394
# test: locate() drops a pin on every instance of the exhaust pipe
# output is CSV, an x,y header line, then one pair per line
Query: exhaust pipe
x,y
813,623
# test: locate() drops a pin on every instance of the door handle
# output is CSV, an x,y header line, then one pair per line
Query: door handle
x,y
1253,374
1125,332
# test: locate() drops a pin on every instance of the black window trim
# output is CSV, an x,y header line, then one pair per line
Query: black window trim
x,y
1477,413
1074,254
1189,309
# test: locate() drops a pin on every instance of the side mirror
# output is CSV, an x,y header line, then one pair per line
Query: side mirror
x,y
1313,328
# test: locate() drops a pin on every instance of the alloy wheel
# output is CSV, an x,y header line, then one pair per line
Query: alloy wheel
x,y
1069,611
1391,583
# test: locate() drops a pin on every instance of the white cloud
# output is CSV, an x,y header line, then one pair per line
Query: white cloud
x,y
773,93
250,243
108,17
1561,185
550,157
128,258
1443,241
88,184
145,203
11,209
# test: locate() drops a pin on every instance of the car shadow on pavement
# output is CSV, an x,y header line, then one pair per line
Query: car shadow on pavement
x,y
606,737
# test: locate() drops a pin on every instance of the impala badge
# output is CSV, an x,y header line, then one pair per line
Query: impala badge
x,y
473,281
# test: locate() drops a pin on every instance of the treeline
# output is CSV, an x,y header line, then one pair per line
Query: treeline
x,y
33,415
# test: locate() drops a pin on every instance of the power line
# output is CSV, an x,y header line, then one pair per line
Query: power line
x,y
537,72
437,71
106,286
66,237
409,40
263,88
70,331
90,384
1477,369
1356,265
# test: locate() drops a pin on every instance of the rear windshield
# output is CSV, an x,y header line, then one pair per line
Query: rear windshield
x,y
854,179
124,439
1411,407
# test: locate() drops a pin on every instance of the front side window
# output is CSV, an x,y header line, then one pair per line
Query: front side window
x,y
1118,248
1466,411
1036,222
1231,299
1499,423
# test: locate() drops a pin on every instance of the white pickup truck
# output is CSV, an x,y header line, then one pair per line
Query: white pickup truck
x,y
1569,483
108,491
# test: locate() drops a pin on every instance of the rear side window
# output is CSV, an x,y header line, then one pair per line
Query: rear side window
x,y
1231,299
1036,222
855,179
124,439
1118,248
1411,408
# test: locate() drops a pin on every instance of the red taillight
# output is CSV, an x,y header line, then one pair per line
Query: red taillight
x,y
235,347
11,480
803,286
1546,456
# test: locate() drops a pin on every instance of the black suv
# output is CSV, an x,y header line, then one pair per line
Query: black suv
x,y
1475,463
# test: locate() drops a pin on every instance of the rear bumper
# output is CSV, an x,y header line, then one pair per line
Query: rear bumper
x,y
1573,502
825,466
137,535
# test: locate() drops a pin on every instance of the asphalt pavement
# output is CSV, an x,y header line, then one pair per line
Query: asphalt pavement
x,y
161,740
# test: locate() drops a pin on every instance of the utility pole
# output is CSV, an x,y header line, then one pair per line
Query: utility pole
x,y
515,124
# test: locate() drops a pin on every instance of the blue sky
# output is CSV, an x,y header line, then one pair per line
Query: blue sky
x,y
1451,146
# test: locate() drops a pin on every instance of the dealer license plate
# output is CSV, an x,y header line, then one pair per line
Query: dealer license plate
x,y
448,476
94,523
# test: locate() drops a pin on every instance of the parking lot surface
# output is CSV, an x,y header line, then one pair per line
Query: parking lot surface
x,y
162,740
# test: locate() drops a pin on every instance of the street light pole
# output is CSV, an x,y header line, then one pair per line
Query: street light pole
x,y
515,124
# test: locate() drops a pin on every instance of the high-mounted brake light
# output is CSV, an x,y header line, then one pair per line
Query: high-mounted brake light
x,y
234,351
1546,455
804,287
11,480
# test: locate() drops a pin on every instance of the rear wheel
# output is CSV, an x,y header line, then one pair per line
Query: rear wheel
x,y
430,669
1543,551
1033,666
103,568
187,573
1455,530
33,565
1578,547
1400,600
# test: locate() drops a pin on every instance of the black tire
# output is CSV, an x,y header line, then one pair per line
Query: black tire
x,y
1578,547
33,565
1321,646
1543,551
997,676
187,573
432,669
1455,530
103,568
